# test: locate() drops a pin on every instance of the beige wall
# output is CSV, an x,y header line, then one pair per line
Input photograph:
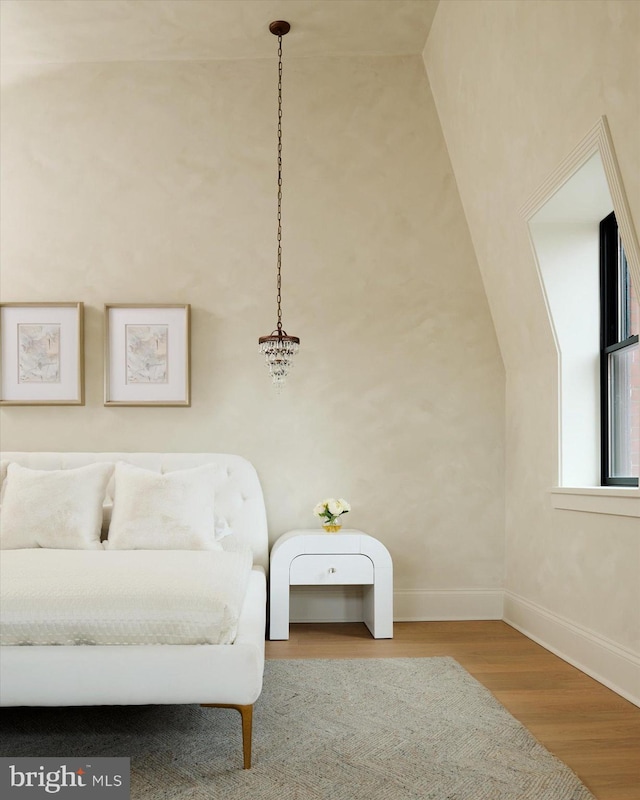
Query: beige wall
x,y
155,182
517,86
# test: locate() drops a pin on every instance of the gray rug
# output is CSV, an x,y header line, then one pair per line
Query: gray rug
x,y
370,729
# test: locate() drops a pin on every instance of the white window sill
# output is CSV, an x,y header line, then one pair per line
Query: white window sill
x,y
619,500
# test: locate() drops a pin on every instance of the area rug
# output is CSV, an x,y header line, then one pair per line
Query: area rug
x,y
364,729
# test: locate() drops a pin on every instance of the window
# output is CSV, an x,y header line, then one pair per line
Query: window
x,y
563,216
619,363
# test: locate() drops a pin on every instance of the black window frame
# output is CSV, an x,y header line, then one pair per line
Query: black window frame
x,y
610,340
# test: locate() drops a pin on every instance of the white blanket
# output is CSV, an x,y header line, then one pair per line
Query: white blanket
x,y
116,597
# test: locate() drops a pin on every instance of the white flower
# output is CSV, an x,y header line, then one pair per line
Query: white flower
x,y
334,507
330,509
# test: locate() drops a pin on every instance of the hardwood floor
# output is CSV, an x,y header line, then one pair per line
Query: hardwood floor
x,y
592,729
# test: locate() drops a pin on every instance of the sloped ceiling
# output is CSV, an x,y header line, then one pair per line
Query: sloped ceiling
x,y
146,30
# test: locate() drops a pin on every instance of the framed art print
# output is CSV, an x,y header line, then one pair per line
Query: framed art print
x,y
147,355
42,354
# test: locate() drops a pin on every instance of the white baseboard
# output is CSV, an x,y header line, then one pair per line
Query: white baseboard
x,y
431,605
344,604
597,656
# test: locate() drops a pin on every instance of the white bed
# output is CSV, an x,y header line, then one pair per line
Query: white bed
x,y
220,675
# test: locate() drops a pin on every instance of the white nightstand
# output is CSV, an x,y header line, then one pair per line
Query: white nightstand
x,y
308,557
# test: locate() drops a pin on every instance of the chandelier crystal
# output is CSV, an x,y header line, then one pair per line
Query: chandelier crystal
x,y
278,347
279,350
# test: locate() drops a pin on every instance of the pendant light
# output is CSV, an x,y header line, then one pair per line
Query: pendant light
x,y
278,347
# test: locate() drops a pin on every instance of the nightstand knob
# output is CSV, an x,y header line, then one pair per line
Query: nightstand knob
x,y
332,569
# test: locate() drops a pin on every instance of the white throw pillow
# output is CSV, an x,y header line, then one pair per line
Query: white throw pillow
x,y
170,511
222,527
59,508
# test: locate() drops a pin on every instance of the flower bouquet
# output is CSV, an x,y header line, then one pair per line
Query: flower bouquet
x,y
330,511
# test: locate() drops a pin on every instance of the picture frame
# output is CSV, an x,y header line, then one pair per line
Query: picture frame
x,y
42,354
147,354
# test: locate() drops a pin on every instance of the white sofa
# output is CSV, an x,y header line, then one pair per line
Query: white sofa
x,y
228,676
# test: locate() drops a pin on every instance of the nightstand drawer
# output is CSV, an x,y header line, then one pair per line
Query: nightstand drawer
x,y
310,570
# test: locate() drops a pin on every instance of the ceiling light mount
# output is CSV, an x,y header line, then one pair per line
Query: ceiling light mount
x,y
280,27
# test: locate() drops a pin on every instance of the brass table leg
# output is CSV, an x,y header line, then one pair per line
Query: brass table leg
x,y
246,712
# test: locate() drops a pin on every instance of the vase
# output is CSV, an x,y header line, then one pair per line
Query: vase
x,y
332,526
